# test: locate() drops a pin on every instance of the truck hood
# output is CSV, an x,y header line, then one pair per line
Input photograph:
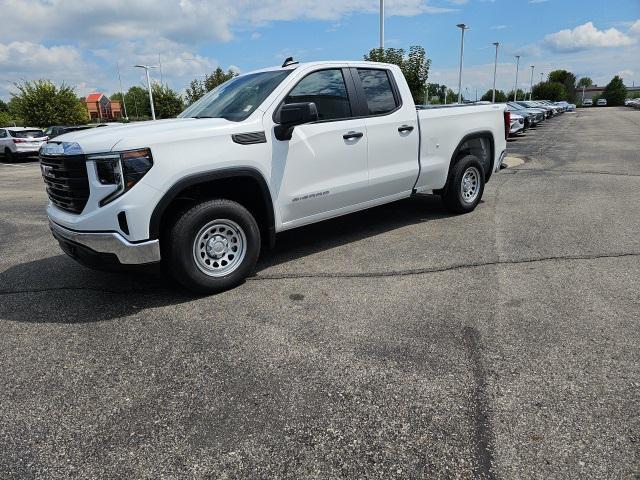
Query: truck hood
x,y
105,139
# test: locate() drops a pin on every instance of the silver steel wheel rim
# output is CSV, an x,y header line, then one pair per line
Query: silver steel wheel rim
x,y
219,248
470,185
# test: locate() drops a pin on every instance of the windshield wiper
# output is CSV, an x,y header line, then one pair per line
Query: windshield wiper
x,y
203,116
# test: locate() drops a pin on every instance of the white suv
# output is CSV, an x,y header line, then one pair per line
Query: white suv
x,y
21,141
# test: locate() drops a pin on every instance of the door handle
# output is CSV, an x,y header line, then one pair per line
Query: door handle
x,y
405,128
350,135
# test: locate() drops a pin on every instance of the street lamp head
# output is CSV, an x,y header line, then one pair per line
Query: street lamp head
x,y
496,43
462,26
517,56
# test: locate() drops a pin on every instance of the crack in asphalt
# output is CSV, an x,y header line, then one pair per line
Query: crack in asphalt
x,y
396,273
422,271
482,429
551,170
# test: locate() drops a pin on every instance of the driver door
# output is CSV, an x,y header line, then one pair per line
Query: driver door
x,y
322,171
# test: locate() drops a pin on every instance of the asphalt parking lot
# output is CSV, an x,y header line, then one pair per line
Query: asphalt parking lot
x,y
400,342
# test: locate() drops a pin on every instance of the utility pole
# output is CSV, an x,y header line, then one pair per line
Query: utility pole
x,y
541,76
124,103
495,69
531,86
381,24
146,69
515,90
160,64
462,27
583,87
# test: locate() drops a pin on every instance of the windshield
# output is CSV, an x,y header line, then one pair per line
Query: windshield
x,y
26,133
236,99
515,106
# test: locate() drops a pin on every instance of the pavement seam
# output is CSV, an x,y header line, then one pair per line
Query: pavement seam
x,y
397,273
547,170
483,437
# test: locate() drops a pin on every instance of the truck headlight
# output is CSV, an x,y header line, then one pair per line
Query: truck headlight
x,y
122,169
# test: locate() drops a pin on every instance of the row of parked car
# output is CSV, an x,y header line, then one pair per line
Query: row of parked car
x,y
527,114
16,142
632,102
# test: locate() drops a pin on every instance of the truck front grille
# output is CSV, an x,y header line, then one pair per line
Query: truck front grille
x,y
66,180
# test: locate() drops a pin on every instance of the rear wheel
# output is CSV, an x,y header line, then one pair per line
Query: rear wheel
x,y
10,156
212,246
465,185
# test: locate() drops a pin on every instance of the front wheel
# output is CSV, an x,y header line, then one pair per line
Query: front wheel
x,y
213,246
465,185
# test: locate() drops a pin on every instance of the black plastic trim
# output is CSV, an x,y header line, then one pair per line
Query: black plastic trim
x,y
204,177
249,138
471,136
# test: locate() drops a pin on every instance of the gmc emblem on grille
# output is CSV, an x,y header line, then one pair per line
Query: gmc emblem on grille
x,y
47,170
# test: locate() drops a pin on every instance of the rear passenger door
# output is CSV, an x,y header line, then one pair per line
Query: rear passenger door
x,y
392,130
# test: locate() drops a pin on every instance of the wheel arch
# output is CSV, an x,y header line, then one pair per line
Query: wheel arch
x,y
466,146
207,185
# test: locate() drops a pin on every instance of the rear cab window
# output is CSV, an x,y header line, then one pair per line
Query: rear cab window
x,y
378,91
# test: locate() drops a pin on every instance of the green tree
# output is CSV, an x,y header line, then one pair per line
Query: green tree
x,y
194,91
41,103
501,97
197,88
520,95
4,107
553,91
137,100
218,77
615,92
166,101
585,82
436,92
568,80
414,66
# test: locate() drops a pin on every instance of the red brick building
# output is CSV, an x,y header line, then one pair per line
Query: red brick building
x,y
100,107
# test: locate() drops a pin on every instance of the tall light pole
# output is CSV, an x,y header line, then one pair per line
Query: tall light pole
x,y
515,89
541,76
124,103
381,24
531,86
462,28
495,69
146,69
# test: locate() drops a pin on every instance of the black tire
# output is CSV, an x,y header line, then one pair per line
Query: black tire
x,y
453,197
9,156
179,253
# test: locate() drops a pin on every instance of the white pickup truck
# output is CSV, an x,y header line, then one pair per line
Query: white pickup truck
x,y
264,152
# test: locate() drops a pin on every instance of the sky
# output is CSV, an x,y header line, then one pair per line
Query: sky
x,y
81,43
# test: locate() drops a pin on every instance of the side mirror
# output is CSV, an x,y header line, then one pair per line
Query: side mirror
x,y
292,114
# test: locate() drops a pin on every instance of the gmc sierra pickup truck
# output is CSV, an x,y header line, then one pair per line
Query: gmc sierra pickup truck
x,y
264,152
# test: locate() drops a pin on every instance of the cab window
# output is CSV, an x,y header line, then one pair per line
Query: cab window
x,y
325,88
377,91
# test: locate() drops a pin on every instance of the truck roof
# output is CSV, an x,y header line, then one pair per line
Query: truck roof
x,y
351,63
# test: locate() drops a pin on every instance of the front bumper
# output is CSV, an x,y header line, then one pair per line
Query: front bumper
x,y
109,243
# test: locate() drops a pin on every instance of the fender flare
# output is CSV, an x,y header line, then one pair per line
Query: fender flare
x,y
205,177
481,134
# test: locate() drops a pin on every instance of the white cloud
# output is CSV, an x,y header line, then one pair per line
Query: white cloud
x,y
498,27
635,28
586,36
183,21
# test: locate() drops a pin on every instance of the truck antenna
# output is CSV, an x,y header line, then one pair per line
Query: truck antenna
x,y
289,61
